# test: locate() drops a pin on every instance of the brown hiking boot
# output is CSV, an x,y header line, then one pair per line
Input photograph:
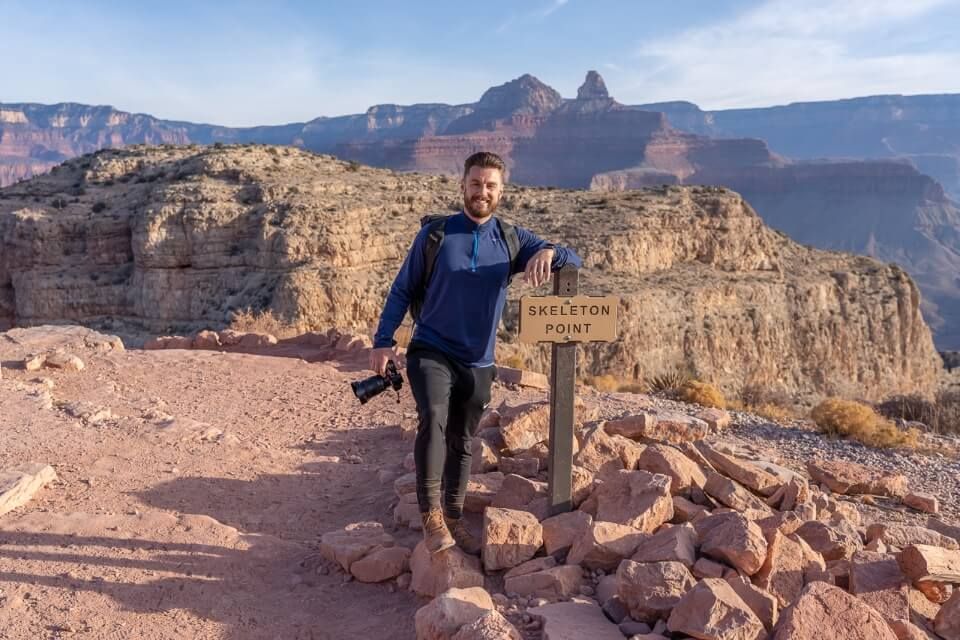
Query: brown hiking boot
x,y
436,536
465,540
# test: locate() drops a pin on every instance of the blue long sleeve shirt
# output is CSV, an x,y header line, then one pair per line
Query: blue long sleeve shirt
x,y
467,290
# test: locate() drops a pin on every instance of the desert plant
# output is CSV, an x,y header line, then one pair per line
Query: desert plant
x,y
702,393
668,382
846,418
250,321
913,407
948,411
514,361
605,382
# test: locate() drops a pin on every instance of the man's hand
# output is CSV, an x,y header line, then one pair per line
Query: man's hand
x,y
538,268
379,359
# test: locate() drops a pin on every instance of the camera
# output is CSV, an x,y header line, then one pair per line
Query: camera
x,y
377,384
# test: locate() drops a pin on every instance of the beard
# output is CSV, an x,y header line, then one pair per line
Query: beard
x,y
481,208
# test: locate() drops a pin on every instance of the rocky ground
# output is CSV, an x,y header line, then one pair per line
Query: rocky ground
x,y
193,489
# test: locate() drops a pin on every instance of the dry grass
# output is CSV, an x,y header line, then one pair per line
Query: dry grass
x,y
775,405
669,382
942,414
514,361
249,321
702,393
849,419
608,382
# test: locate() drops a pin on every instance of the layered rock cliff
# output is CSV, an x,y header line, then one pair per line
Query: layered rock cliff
x,y
177,238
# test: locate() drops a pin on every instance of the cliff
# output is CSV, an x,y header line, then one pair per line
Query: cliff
x,y
178,238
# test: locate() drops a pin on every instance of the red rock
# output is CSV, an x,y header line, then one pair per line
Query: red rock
x,y
605,454
451,610
604,545
683,472
381,564
509,538
713,610
733,539
937,592
257,340
432,574
923,562
526,467
902,535
556,582
206,340
947,622
525,426
483,457
632,426
346,546
670,544
562,530
922,502
849,478
650,590
782,573
230,338
706,568
635,498
877,580
831,541
907,631
747,474
716,419
732,494
825,611
674,428
763,604
481,490
686,511
575,621
522,494
489,626
523,378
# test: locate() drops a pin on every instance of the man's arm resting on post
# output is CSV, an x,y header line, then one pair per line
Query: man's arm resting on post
x,y
398,301
538,258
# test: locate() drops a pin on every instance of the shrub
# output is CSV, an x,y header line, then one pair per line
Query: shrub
x,y
605,382
775,405
249,321
846,418
948,411
515,361
914,408
668,382
702,393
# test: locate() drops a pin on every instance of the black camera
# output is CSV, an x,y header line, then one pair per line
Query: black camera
x,y
377,384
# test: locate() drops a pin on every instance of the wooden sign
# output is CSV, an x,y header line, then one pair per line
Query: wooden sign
x,y
568,319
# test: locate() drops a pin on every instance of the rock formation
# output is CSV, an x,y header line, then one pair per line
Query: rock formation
x,y
179,238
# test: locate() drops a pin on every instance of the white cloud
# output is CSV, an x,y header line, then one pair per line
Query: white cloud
x,y
785,51
538,15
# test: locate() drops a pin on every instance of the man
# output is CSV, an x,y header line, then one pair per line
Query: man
x,y
450,357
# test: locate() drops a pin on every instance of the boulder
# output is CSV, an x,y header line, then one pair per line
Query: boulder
x,y
346,546
763,604
713,610
555,583
747,474
676,543
730,493
604,545
782,572
522,494
686,511
877,580
443,617
947,622
605,454
650,590
509,538
526,467
733,539
924,502
674,428
206,340
716,419
683,472
524,426
432,574
826,611
381,564
483,457
64,361
562,530
19,484
902,535
634,426
574,621
490,626
940,526
924,562
523,378
637,499
481,490
850,478
833,542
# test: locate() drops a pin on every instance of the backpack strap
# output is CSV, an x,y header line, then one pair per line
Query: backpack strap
x,y
513,245
436,224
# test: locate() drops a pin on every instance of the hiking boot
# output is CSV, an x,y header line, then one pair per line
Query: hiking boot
x,y
436,536
464,539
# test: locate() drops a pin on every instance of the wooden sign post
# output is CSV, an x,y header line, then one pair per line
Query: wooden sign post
x,y
565,319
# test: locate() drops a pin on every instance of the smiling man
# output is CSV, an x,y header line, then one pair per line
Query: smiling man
x,y
454,280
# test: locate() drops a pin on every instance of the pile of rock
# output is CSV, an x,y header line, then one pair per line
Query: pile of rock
x,y
212,340
674,535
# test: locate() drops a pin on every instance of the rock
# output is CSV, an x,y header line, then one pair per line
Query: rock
x,y
940,526
747,474
523,378
582,485
562,530
432,574
522,494
706,568
556,583
451,610
683,472
924,502
902,535
405,484
407,512
206,340
924,562
674,428
604,545
613,608
849,478
346,546
607,587
782,573
230,338
631,629
937,592
575,621
947,622
637,499
713,610
825,611
526,467
257,340
670,544
796,492
64,361
483,457
531,566
481,489
716,419
651,590
19,484
733,539
632,426
877,580
603,454
490,626
381,564
509,537
686,511
907,631
410,465
732,494
34,362
833,542
525,426
763,604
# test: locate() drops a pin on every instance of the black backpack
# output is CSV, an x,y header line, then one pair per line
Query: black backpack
x,y
431,249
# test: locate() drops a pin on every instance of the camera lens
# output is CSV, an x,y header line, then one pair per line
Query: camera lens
x,y
369,387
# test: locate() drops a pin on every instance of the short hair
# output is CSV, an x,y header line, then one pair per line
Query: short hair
x,y
485,160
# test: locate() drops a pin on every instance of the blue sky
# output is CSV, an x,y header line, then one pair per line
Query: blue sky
x,y
248,63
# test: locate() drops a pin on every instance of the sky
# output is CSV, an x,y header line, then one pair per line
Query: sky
x,y
249,63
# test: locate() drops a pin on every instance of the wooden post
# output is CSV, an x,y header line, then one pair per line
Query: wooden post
x,y
563,372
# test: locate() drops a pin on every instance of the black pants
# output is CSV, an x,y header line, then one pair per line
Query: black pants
x,y
450,399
